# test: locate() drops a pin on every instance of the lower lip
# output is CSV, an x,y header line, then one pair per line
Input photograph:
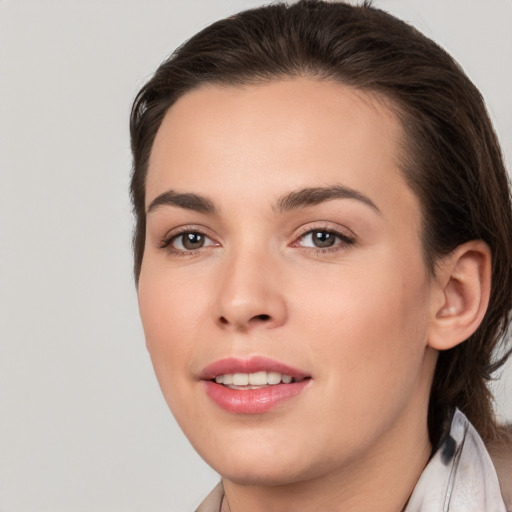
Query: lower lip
x,y
253,401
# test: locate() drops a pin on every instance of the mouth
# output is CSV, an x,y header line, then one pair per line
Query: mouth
x,y
252,386
255,380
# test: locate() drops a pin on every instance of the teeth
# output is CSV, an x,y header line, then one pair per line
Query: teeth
x,y
240,379
258,378
253,379
273,378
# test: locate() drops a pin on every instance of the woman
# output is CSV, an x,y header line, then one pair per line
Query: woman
x,y
323,259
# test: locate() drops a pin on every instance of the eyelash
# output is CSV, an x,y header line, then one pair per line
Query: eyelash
x,y
166,243
344,240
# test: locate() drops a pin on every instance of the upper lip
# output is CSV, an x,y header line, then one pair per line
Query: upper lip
x,y
230,365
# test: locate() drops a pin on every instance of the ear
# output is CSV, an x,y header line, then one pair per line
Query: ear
x,y
461,296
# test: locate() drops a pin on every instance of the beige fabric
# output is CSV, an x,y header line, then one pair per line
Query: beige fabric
x,y
501,455
212,502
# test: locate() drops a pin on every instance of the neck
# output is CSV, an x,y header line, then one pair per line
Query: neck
x,y
381,480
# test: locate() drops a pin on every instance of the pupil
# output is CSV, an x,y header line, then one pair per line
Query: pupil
x,y
193,240
323,239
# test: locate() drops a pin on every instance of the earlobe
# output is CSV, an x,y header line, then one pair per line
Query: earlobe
x,y
463,281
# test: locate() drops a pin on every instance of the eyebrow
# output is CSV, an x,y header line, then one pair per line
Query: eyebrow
x,y
187,201
291,201
315,195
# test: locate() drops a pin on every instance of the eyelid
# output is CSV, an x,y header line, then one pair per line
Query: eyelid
x,y
166,242
346,236
343,231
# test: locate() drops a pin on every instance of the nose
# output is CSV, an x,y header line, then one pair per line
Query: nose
x,y
250,294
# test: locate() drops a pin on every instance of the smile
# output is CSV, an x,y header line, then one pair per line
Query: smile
x,y
253,380
252,386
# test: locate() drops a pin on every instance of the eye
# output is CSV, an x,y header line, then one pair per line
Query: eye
x,y
324,239
320,239
187,241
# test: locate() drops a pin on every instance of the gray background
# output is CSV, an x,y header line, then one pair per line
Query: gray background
x,y
82,424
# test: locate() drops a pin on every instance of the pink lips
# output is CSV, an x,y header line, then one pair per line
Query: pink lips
x,y
251,401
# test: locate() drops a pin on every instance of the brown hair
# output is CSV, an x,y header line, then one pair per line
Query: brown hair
x,y
451,160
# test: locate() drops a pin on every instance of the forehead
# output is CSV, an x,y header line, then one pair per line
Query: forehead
x,y
276,136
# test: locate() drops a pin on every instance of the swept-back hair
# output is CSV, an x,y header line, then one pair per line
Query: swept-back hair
x,y
450,157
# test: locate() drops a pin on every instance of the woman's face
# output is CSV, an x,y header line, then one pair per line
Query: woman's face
x,y
282,241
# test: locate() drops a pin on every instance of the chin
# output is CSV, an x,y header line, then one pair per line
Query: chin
x,y
263,465
249,474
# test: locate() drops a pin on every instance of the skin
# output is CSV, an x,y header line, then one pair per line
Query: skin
x,y
359,318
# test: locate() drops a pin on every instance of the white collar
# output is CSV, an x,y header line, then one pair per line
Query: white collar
x,y
460,477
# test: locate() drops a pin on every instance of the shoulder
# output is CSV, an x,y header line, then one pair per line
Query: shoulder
x,y
501,455
212,502
460,474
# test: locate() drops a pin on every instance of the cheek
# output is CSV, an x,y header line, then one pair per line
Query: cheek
x,y
162,314
170,302
170,311
369,325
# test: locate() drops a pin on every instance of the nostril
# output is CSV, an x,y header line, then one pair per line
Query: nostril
x,y
263,317
252,320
